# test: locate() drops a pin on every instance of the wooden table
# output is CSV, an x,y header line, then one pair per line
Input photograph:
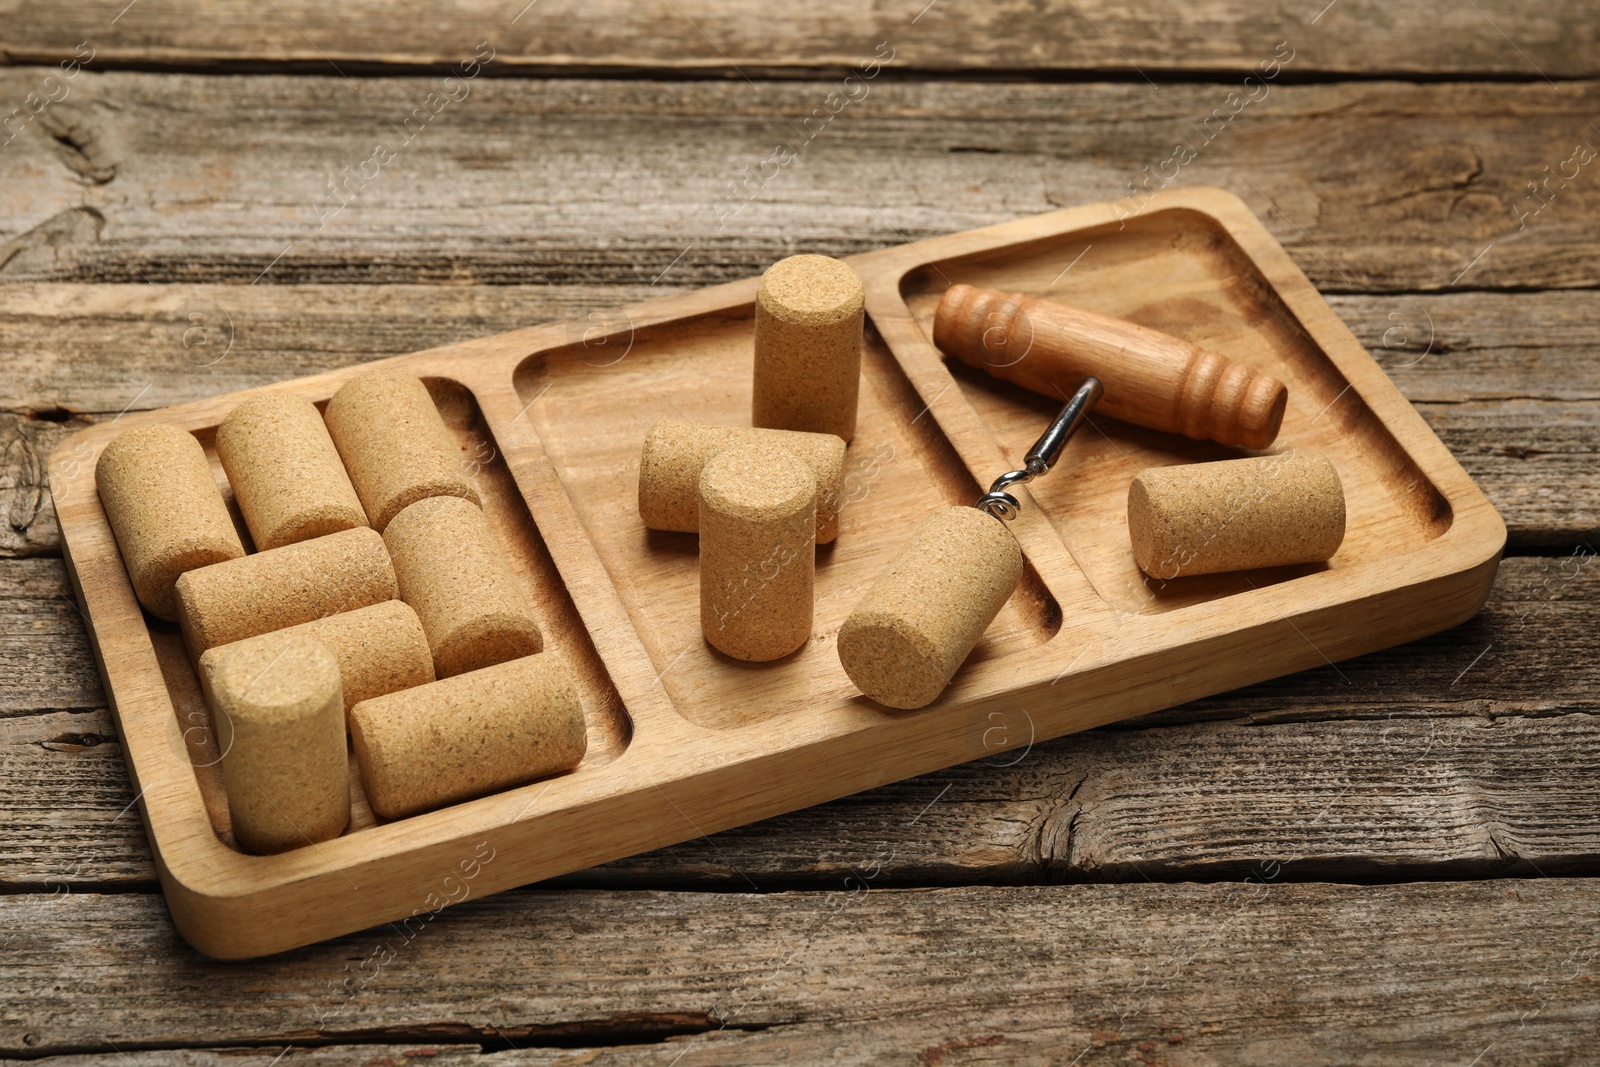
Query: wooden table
x,y
1384,860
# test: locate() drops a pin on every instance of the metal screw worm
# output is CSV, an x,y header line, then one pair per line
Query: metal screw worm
x,y
1044,453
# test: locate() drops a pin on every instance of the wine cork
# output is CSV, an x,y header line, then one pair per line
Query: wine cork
x,y
267,591
915,627
758,532
451,571
809,314
165,510
280,726
464,736
285,473
675,453
380,649
1236,514
394,444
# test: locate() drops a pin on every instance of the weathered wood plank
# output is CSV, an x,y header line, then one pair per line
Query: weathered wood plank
x,y
81,353
1371,185
1237,973
1396,798
74,348
1539,618
1535,460
98,348
1472,753
1453,348
1510,383
70,819
1507,379
1511,657
415,1054
45,659
718,37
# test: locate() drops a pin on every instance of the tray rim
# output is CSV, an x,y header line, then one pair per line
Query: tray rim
x,y
211,887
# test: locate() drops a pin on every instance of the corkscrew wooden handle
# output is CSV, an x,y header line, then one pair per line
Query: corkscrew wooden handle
x,y
1151,378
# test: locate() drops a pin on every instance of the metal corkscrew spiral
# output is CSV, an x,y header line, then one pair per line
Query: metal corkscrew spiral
x,y
1044,453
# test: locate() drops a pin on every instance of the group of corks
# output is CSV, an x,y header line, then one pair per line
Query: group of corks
x,y
377,602
763,497
378,599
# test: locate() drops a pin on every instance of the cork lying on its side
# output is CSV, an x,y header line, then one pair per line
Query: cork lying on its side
x,y
165,510
1236,514
381,649
451,571
915,627
464,736
285,472
809,315
227,602
280,725
758,533
394,444
676,452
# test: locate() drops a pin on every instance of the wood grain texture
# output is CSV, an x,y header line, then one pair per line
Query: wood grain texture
x,y
1537,456
1534,460
27,518
45,659
1506,379
69,821
1509,383
1468,754
718,37
1371,186
99,348
415,1054
94,348
1453,348
1257,973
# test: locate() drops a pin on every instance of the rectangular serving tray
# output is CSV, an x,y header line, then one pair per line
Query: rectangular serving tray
x,y
684,741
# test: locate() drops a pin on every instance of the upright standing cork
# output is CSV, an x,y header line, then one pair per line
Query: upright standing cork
x,y
165,510
675,453
227,602
280,725
460,737
808,346
758,531
1203,518
394,444
450,569
915,627
381,649
285,473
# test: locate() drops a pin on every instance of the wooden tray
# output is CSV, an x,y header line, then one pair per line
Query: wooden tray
x,y
683,741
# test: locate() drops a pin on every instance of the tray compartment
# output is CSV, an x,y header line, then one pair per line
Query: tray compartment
x,y
1212,294
591,413
609,729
